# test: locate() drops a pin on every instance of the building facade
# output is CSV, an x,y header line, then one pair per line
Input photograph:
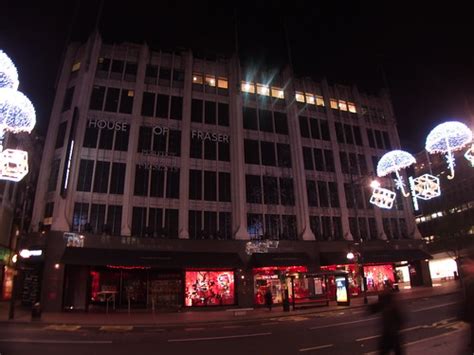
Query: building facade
x,y
162,167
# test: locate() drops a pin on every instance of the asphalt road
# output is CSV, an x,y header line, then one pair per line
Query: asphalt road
x,y
349,331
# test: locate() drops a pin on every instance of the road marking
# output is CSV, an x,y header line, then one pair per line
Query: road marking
x,y
154,330
192,329
291,319
343,323
116,328
318,347
35,341
219,338
232,326
434,307
432,338
269,323
401,331
63,327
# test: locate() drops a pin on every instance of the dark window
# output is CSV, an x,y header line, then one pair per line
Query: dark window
x,y
196,110
155,220
329,160
272,225
348,134
84,180
103,64
165,73
209,112
90,137
268,153
101,178
315,224
337,228
144,139
339,133
250,118
171,222
162,102
114,219
117,69
253,187
225,225
151,74
323,194
80,216
386,139
350,196
112,99
289,227
284,155
178,77
378,139
333,194
265,120
357,135
159,141
270,190
210,184
195,148
97,218
195,184
157,185
325,130
224,187
372,229
210,224
314,126
252,152
174,143
223,115
126,101
117,178
176,112
97,98
304,128
287,195
53,176
327,228
210,150
370,136
281,123
353,163
106,138
344,162
61,134
148,104
308,158
131,68
172,184
138,221
121,139
141,181
254,225
195,224
362,164
318,159
68,99
224,151
312,193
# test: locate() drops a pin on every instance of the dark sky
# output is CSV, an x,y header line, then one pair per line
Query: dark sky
x,y
425,51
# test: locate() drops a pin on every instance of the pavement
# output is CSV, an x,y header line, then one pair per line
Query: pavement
x,y
201,316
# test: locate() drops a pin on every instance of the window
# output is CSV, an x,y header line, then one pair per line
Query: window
x,y
287,195
210,150
304,128
362,164
289,227
308,158
312,193
197,79
222,83
272,225
323,194
165,75
281,123
277,92
348,133
329,160
61,135
151,73
339,132
114,219
250,118
337,228
84,180
103,64
299,96
68,99
112,99
263,90
162,102
174,143
372,228
353,163
172,184
144,139
157,186
310,99
284,155
97,98
53,176
210,80
224,187
318,159
333,104
386,139
248,87
344,162
117,178
97,217
254,225
75,67
210,184
117,69
223,114
357,135
334,198
106,138
178,78
327,228
121,139
130,71
270,190
176,111
378,139
224,151
210,224
196,110
195,224
141,181
171,222
325,130
253,189
195,184
370,136
195,149
159,141
101,178
210,112
148,104
80,216
265,120
252,152
314,126
319,100
138,221
315,224
268,153
225,225
351,107
342,105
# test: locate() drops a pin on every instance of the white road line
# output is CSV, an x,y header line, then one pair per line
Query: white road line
x,y
318,347
193,329
343,323
35,341
232,326
434,337
219,338
401,331
270,323
434,307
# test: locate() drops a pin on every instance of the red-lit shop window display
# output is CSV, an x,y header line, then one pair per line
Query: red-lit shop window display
x,y
378,277
209,288
352,277
278,279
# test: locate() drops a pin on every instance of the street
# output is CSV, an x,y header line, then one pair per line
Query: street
x,y
431,327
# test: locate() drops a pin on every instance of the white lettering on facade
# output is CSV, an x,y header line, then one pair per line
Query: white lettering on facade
x,y
111,125
157,130
209,136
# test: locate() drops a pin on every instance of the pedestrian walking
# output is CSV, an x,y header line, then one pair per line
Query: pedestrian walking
x,y
269,299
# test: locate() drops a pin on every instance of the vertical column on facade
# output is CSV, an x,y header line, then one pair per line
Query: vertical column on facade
x,y
346,231
239,212
296,148
185,146
129,181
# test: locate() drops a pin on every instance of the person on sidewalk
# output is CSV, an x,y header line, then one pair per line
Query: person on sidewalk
x,y
467,311
269,299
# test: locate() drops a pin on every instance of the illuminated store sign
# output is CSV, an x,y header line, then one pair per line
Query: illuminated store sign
x,y
111,125
209,136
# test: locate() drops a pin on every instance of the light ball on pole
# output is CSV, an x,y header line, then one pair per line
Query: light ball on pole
x,y
8,72
17,113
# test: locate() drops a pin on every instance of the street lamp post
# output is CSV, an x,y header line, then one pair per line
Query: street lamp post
x,y
359,261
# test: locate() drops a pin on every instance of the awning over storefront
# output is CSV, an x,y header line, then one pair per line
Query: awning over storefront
x,y
279,259
392,256
159,259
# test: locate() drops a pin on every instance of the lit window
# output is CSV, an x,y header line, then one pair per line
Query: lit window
x,y
434,215
352,107
299,96
310,99
423,219
210,80
263,90
319,100
248,87
197,78
333,103
76,66
278,92
131,93
342,105
222,83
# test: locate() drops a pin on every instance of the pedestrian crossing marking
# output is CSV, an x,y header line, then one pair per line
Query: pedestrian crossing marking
x,y
63,327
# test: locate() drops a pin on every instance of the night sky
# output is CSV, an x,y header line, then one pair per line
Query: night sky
x,y
426,52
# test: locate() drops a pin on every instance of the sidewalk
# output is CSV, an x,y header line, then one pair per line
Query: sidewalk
x,y
147,318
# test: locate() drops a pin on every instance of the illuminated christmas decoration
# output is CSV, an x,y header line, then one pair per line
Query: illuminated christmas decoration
x,y
13,165
424,187
17,113
393,162
382,198
470,155
8,72
446,138
260,246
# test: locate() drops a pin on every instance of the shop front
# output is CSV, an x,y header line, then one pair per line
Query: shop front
x,y
209,288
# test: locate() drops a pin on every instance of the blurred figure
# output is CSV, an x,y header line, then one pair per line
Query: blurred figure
x,y
468,302
269,299
392,321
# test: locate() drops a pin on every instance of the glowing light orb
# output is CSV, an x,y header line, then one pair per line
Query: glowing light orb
x,y
382,198
13,164
393,162
17,113
446,138
470,155
8,72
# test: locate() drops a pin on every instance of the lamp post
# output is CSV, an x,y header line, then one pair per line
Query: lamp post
x,y
359,260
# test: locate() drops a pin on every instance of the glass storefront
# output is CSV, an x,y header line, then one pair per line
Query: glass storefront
x,y
209,288
378,277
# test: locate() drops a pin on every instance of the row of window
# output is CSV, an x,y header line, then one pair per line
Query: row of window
x,y
378,139
269,190
326,228
267,153
162,106
210,112
159,140
322,194
152,182
108,138
209,225
354,164
210,80
314,128
348,134
97,218
273,226
209,186
161,75
208,149
262,89
111,99
395,228
155,222
103,174
310,99
265,120
318,159
116,69
342,105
